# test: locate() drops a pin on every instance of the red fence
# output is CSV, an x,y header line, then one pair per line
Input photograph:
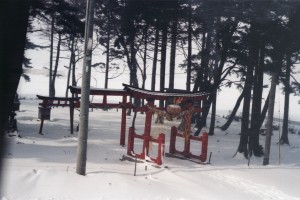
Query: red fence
x,y
145,151
203,140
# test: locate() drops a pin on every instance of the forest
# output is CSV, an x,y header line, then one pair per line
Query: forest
x,y
215,41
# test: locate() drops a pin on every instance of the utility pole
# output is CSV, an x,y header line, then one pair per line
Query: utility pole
x,y
85,90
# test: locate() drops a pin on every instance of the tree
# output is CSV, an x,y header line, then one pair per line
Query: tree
x,y
155,52
291,56
34,11
12,45
65,20
174,33
189,58
233,112
270,117
245,132
265,46
277,54
213,35
287,90
163,61
213,115
107,15
223,47
76,54
255,125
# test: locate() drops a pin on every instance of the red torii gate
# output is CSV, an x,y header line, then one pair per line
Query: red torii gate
x,y
104,104
48,102
151,96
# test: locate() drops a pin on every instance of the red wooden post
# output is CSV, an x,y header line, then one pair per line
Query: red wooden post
x,y
71,115
204,138
187,129
41,125
161,146
187,144
145,150
104,99
130,141
147,129
123,121
44,106
173,140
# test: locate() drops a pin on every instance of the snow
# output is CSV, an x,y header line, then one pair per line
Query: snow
x,y
42,167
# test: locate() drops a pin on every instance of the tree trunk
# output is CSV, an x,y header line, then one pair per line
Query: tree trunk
x,y
144,71
245,132
198,81
163,62
217,77
51,92
13,22
74,83
256,105
233,113
189,58
57,57
199,78
202,120
213,116
173,53
133,69
70,66
133,64
68,78
107,56
264,111
153,80
205,58
270,118
56,65
245,118
287,90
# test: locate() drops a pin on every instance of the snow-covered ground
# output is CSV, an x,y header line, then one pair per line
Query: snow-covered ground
x,y
42,167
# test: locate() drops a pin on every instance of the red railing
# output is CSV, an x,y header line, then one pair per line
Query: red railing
x,y
145,151
186,151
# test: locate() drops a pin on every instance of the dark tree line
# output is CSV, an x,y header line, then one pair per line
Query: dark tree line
x,y
245,38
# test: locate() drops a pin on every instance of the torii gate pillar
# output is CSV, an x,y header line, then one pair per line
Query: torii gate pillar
x,y
147,129
123,121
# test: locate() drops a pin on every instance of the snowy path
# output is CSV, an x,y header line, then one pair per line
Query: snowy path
x,y
260,191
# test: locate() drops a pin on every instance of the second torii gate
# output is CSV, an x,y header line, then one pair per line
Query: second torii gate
x,y
104,104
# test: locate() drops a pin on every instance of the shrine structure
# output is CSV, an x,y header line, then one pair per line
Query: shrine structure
x,y
187,107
